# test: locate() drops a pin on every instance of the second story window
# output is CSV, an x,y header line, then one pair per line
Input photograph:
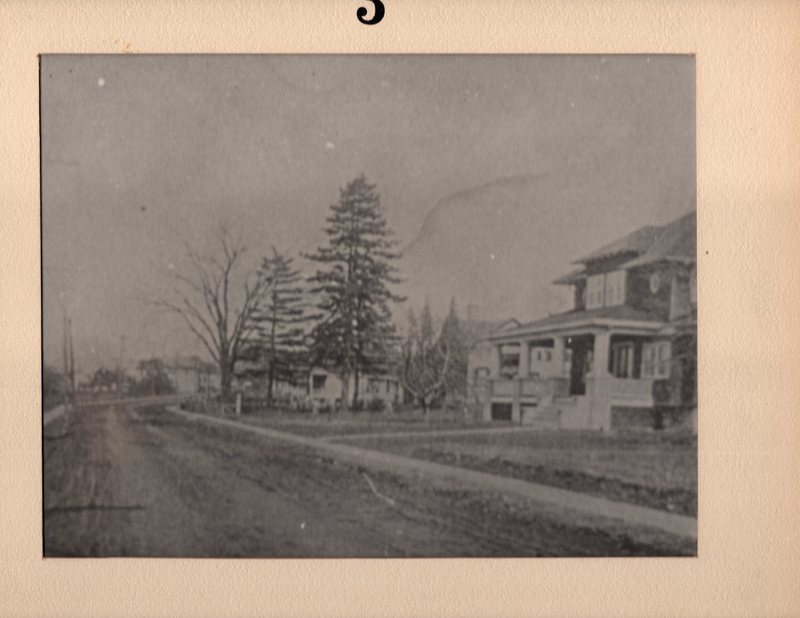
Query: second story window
x,y
605,290
615,288
594,291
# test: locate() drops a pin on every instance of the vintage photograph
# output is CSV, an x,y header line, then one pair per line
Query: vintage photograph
x,y
326,306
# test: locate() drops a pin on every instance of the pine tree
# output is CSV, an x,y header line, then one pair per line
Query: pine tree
x,y
280,349
453,339
352,282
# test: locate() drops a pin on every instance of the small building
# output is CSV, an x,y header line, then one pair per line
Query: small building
x,y
192,375
624,355
325,388
481,354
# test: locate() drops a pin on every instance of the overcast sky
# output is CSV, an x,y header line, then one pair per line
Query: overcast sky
x,y
140,152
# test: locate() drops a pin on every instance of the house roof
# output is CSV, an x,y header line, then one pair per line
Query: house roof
x,y
686,323
636,243
582,317
482,330
677,243
571,277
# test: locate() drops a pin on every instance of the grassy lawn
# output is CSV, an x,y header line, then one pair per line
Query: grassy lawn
x,y
658,470
362,423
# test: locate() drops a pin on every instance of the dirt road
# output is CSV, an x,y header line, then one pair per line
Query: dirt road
x,y
128,481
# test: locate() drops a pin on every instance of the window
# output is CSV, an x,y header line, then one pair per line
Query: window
x,y
656,359
622,360
615,288
318,382
540,355
663,359
595,285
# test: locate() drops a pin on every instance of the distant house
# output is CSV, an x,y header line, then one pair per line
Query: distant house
x,y
192,375
252,377
325,388
623,355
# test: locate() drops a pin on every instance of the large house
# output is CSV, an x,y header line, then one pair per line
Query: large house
x,y
624,355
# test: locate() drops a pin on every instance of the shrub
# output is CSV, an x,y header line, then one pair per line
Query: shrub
x,y
376,405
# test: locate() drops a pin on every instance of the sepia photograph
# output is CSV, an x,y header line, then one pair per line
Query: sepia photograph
x,y
365,306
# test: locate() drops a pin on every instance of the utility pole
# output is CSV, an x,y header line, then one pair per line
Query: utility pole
x,y
71,360
120,363
65,349
64,341
68,354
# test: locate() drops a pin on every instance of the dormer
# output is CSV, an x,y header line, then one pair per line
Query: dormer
x,y
664,279
652,269
602,280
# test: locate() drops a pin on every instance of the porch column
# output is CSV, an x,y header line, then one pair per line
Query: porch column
x,y
558,356
600,391
601,349
524,367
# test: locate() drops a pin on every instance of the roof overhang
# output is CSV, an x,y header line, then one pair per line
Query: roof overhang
x,y
571,277
634,327
660,261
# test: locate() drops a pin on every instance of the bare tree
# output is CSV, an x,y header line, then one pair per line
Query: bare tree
x,y
425,362
219,308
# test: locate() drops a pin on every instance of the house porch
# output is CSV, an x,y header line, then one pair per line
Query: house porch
x,y
573,379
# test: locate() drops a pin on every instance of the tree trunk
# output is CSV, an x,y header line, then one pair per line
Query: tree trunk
x,y
355,387
270,381
273,353
226,377
344,405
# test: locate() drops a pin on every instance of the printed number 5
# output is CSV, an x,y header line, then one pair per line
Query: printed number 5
x,y
361,13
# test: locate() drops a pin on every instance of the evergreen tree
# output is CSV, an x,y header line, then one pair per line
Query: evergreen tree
x,y
453,340
279,349
352,282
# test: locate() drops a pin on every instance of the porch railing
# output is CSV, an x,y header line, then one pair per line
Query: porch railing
x,y
632,391
539,388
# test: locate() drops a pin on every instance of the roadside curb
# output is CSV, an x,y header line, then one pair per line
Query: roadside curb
x,y
431,434
680,525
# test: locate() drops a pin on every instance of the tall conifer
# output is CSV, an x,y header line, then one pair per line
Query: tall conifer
x,y
282,319
352,283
